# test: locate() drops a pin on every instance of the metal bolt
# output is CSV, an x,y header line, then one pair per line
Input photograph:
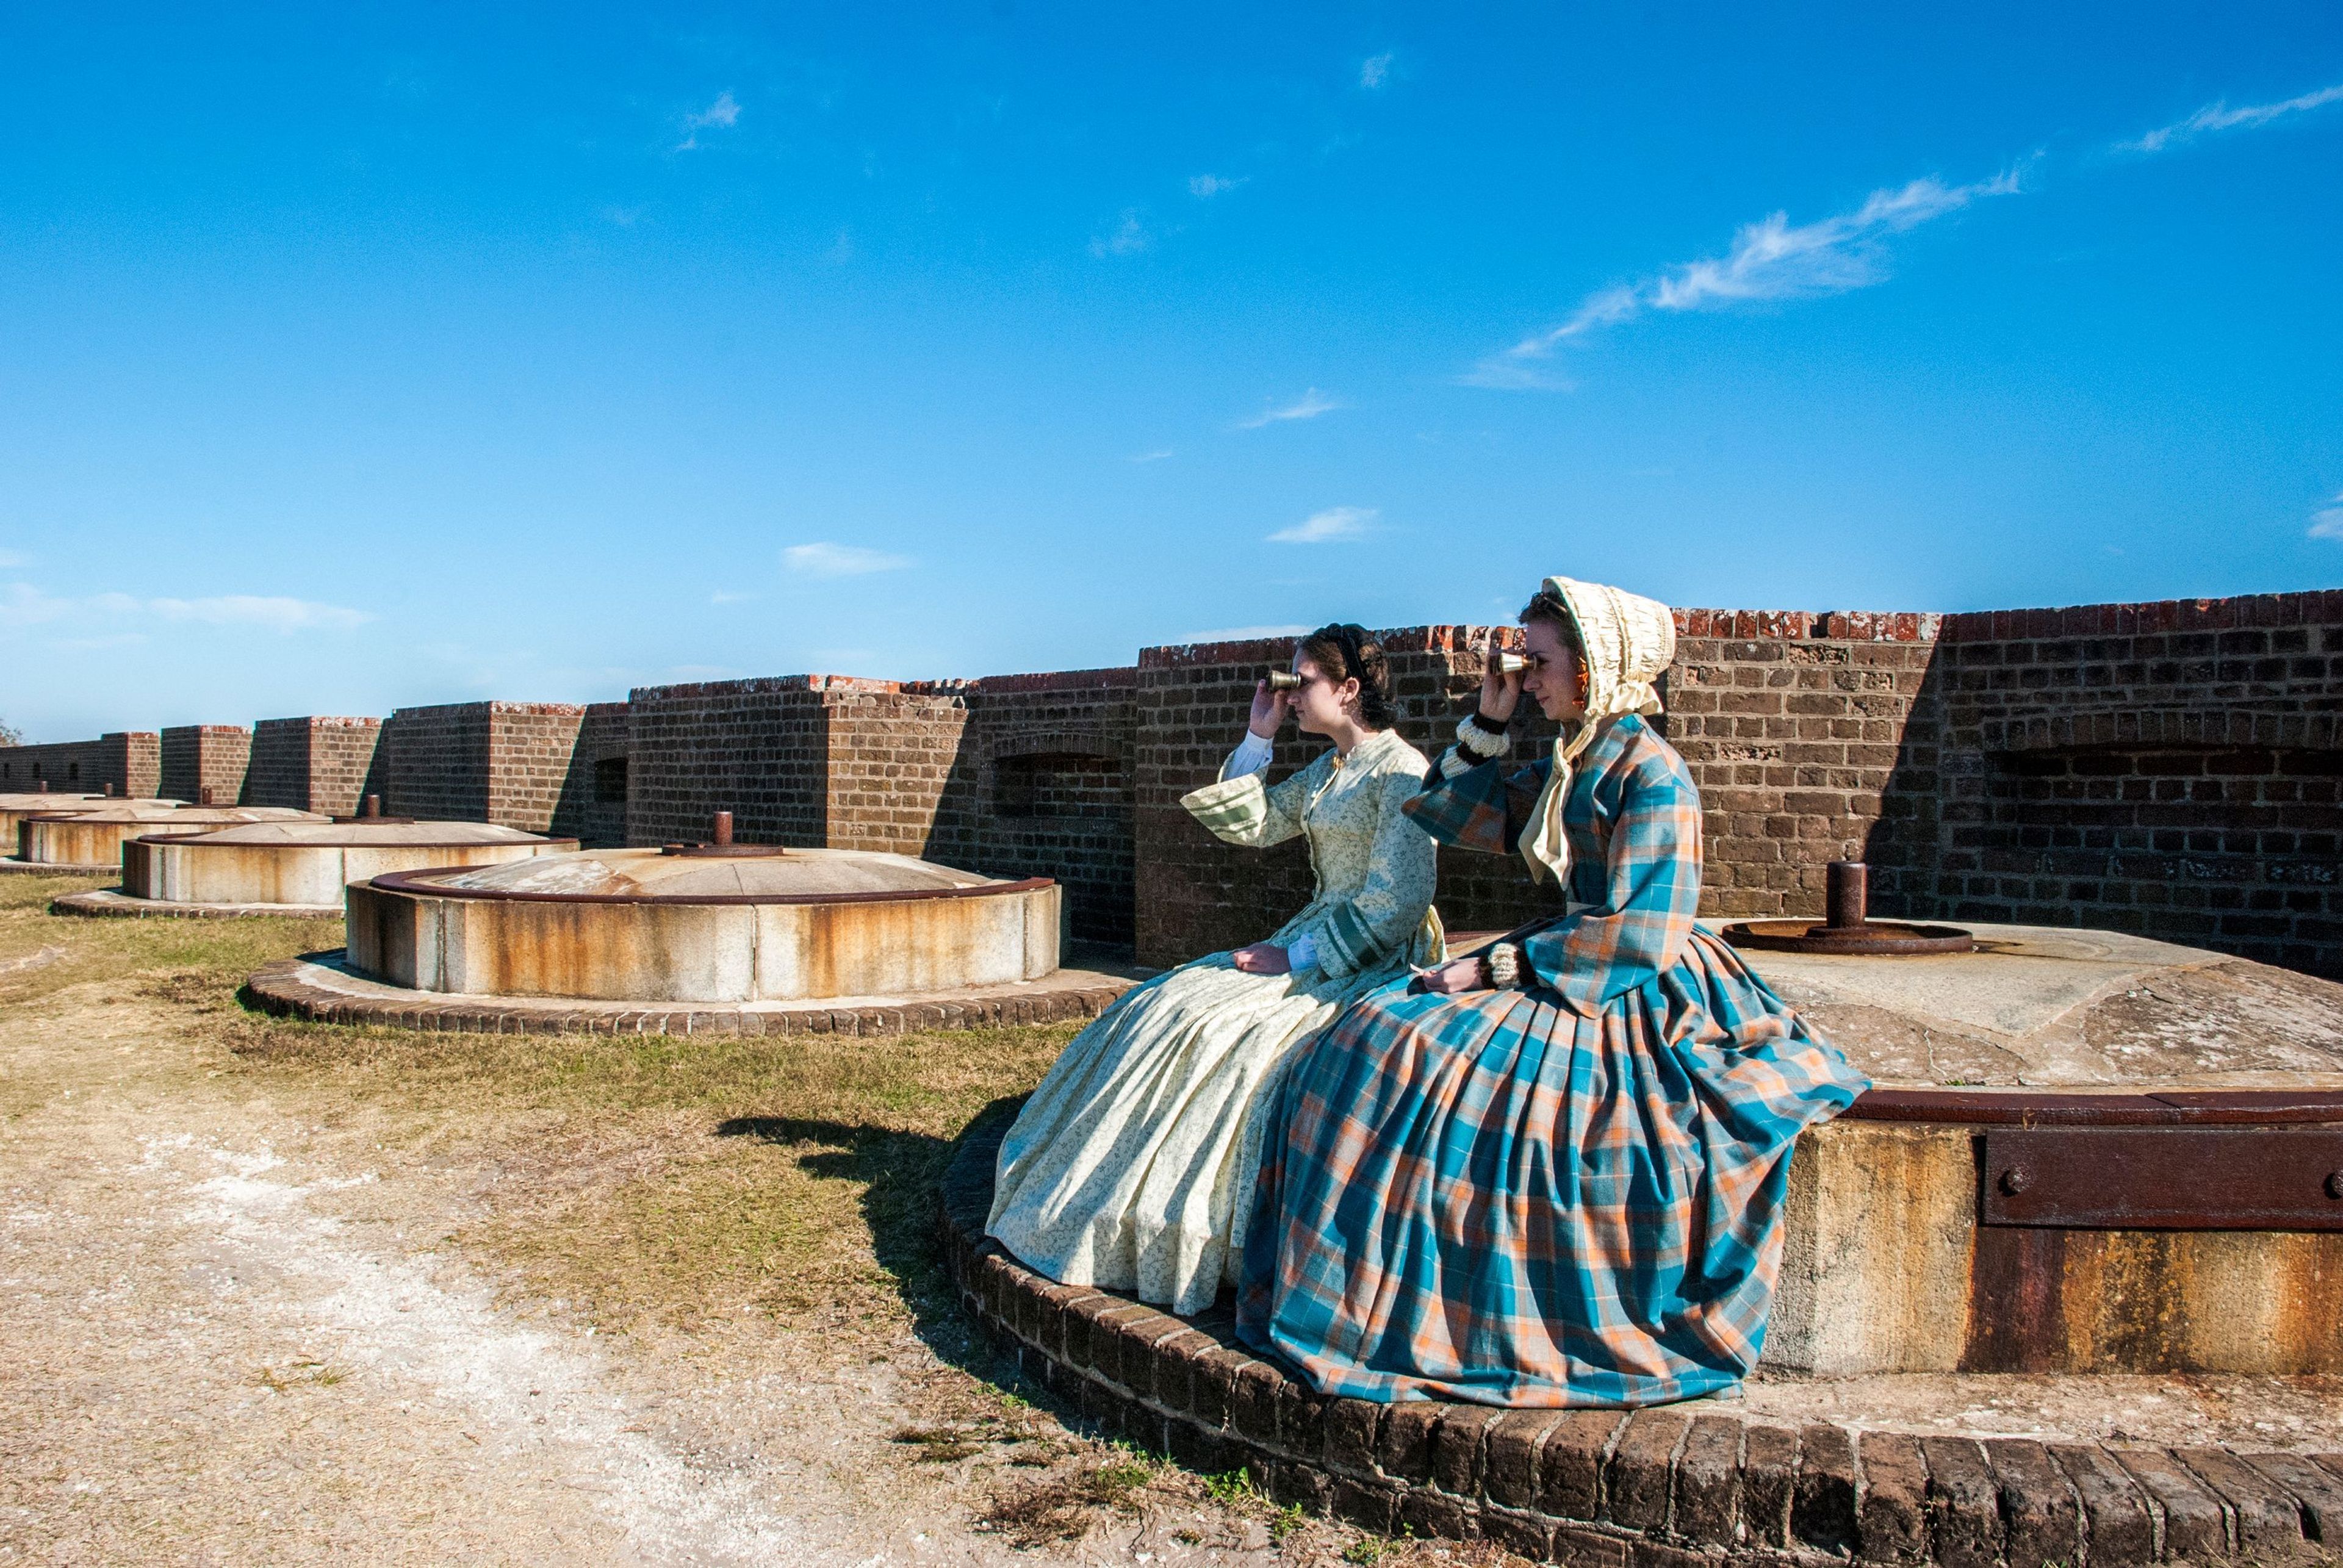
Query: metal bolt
x,y
371,807
2014,1181
1846,894
723,833
2334,1185
207,797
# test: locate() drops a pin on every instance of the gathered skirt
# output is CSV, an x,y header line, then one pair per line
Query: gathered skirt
x,y
1491,1197
1133,1164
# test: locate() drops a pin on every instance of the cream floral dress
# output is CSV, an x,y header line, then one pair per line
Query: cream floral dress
x,y
1132,1165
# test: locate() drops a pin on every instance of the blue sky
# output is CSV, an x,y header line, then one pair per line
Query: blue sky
x,y
353,358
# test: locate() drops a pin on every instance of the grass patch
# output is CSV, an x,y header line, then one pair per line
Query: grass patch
x,y
673,1179
1064,1507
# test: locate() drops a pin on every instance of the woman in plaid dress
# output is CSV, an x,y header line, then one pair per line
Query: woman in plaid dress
x,y
1553,1174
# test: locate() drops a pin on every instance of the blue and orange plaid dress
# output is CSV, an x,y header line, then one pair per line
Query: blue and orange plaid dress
x,y
1564,1194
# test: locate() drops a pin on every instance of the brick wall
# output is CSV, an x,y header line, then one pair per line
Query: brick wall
x,y
531,750
502,762
130,760
593,804
1041,787
753,747
317,763
2169,769
197,757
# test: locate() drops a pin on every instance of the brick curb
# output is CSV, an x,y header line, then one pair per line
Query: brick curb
x,y
1670,1486
39,869
280,989
105,903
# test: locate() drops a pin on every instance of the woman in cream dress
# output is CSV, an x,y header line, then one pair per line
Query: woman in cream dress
x,y
1133,1166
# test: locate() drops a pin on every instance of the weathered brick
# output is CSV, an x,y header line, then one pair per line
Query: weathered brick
x,y
1511,1478
1891,1517
1571,1464
1642,1463
1822,1511
2267,1520
2039,1508
1769,1474
1964,1505
2122,1530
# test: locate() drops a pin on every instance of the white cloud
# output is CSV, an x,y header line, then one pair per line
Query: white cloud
x,y
1326,527
1375,71
2327,523
1129,238
275,614
1768,259
1155,456
1206,186
24,605
720,116
1308,406
824,559
2218,117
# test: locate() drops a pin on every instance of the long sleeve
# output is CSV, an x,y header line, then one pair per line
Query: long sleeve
x,y
1244,811
1251,756
1482,808
1651,894
1384,916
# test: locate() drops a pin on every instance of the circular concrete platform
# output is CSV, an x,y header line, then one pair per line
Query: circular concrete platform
x,y
321,987
114,904
1967,1472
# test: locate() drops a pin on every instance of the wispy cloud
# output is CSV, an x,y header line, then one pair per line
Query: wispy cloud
x,y
1129,238
720,116
1157,455
2327,523
725,596
1328,526
1375,70
1308,406
2218,117
1206,186
273,613
825,559
24,605
1769,259
10,559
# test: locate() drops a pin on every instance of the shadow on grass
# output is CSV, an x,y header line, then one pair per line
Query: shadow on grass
x,y
901,1175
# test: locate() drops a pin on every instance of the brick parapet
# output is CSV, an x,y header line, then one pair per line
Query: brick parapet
x,y
1670,1486
195,758
326,763
2169,768
592,806
130,760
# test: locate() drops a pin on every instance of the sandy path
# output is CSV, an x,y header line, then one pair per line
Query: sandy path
x,y
228,1337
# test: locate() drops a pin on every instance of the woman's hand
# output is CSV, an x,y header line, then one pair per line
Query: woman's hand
x,y
1499,690
1455,975
1268,710
1262,958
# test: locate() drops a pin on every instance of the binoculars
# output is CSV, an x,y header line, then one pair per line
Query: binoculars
x,y
1505,661
1281,679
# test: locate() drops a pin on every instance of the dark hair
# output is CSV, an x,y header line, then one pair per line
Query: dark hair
x,y
1349,652
1548,606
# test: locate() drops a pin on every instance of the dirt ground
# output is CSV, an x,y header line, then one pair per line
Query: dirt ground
x,y
279,1293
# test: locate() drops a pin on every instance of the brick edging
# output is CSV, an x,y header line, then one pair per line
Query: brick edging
x,y
278,988
39,869
1670,1486
91,906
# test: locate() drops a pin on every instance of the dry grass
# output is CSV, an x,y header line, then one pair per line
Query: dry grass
x,y
668,1181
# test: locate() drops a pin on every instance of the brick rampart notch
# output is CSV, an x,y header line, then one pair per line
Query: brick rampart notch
x,y
200,757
